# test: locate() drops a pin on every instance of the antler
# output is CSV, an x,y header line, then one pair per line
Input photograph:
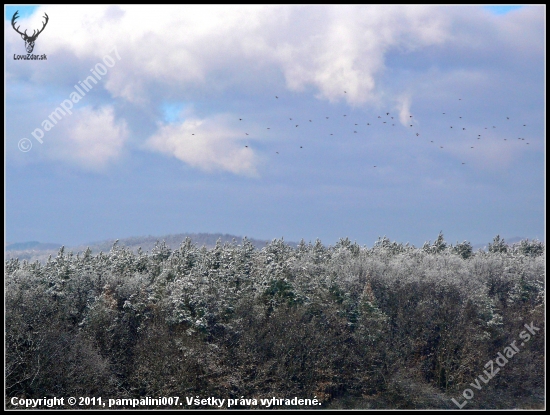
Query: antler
x,y
15,16
34,34
40,31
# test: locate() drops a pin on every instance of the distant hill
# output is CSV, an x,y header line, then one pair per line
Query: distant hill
x,y
32,245
147,243
35,251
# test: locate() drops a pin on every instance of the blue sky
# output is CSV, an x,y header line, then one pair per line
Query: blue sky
x,y
214,119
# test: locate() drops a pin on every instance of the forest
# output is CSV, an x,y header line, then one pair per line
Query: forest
x,y
389,327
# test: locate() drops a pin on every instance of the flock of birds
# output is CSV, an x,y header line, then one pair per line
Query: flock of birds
x,y
390,119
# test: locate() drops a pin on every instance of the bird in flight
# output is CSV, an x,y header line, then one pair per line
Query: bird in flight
x,y
276,97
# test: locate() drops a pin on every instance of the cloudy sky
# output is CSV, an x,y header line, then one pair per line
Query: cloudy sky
x,y
275,121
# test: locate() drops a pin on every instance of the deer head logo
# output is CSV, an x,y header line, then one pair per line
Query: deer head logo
x,y
29,40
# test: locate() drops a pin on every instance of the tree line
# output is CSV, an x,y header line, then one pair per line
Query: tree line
x,y
392,326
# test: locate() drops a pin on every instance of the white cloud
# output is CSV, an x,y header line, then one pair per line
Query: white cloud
x,y
208,144
91,139
333,48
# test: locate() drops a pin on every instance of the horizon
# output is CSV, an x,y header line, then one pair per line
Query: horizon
x,y
160,238
302,122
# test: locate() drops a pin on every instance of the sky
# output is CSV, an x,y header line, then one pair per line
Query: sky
x,y
275,121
